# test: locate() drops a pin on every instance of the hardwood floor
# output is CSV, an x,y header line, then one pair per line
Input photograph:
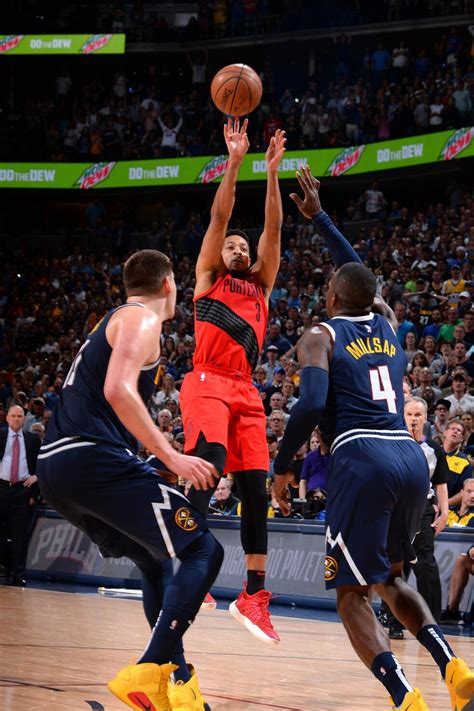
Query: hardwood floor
x,y
57,650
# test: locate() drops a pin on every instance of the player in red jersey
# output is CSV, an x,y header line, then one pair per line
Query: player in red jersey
x,y
224,419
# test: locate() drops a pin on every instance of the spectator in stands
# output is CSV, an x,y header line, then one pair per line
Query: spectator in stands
x,y
168,390
275,338
404,326
426,390
458,463
276,402
463,514
224,503
461,401
276,423
35,414
288,392
441,420
467,420
272,444
463,568
434,360
271,363
374,201
52,394
38,429
170,130
410,345
446,332
313,477
454,285
164,420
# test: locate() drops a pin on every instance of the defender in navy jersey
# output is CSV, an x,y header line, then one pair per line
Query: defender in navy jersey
x,y
378,481
89,471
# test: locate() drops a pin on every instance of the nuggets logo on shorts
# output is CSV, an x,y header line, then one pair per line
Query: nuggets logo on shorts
x,y
185,520
330,568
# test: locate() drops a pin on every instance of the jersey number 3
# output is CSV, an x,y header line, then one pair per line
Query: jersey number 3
x,y
382,387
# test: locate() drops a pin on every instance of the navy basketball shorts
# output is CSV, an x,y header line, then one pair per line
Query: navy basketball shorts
x,y
117,499
377,490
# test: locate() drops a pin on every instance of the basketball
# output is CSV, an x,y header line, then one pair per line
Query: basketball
x,y
236,90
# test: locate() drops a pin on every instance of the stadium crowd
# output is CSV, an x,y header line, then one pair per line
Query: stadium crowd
x,y
352,94
215,19
421,258
422,262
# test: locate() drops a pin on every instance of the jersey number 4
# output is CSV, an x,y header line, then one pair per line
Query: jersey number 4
x,y
382,388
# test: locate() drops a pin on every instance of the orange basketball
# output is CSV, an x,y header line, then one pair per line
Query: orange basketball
x,y
236,90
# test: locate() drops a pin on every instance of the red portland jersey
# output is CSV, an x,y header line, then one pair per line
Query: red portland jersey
x,y
231,320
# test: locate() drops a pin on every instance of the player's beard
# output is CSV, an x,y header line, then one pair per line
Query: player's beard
x,y
243,273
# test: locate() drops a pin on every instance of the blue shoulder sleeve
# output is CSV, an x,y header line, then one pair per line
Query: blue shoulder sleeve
x,y
305,415
340,249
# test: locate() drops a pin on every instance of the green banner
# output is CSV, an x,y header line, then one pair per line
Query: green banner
x,y
333,162
62,44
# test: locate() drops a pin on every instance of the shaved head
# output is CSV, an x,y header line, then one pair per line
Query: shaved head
x,y
354,286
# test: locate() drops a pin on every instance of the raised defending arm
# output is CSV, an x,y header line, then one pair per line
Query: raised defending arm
x,y
340,249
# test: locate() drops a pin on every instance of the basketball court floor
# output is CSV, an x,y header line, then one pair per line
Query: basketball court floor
x,y
57,650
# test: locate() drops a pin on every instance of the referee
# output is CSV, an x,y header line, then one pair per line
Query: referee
x,y
436,512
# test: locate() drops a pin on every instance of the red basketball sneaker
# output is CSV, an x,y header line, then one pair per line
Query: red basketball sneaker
x,y
208,603
252,612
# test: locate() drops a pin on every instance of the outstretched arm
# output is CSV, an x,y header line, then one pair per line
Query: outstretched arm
x,y
268,252
314,349
340,249
209,260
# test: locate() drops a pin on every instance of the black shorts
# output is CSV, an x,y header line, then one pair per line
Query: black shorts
x,y
377,489
104,490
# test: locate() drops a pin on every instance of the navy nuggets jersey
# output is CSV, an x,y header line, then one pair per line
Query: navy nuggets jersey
x,y
365,376
82,410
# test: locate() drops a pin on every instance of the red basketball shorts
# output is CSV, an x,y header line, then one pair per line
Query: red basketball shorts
x,y
227,409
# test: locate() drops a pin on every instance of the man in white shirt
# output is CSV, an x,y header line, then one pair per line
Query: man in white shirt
x,y
460,399
18,454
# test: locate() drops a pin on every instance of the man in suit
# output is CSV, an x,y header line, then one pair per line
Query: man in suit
x,y
18,486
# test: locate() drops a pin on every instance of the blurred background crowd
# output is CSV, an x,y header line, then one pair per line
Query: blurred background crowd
x,y
338,90
328,82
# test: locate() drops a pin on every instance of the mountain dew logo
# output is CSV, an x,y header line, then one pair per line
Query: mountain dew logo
x,y
345,160
94,175
10,42
92,44
457,143
213,170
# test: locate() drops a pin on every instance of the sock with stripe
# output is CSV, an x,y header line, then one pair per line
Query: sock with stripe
x,y
433,640
255,581
386,668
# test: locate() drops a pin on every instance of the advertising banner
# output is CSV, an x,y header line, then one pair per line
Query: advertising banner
x,y
62,44
333,162
295,566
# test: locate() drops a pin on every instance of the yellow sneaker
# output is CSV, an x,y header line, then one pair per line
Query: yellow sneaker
x,y
186,696
413,701
143,687
460,683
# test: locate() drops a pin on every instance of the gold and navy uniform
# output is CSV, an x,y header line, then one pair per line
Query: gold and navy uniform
x,y
378,478
89,471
